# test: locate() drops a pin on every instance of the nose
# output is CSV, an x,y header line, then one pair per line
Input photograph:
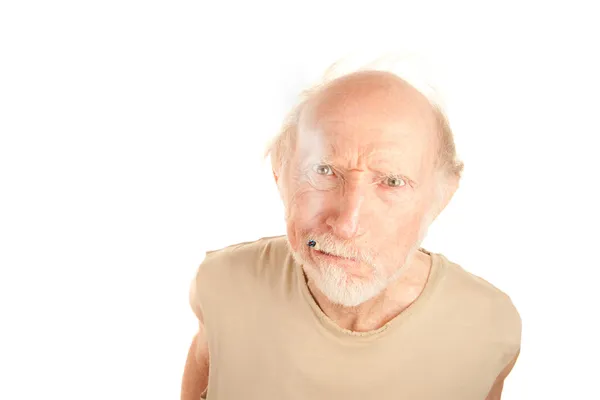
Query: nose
x,y
345,223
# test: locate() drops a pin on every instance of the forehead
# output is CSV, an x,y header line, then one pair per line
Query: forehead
x,y
341,138
387,150
369,125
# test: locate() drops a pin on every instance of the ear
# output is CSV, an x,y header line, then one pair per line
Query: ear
x,y
445,192
278,183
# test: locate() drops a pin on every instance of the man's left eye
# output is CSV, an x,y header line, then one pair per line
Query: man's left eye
x,y
394,181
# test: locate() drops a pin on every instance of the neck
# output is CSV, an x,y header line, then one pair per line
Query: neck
x,y
378,311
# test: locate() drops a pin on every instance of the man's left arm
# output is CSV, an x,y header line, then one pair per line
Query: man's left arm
x,y
496,391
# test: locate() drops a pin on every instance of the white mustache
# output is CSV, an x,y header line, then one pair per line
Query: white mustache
x,y
335,250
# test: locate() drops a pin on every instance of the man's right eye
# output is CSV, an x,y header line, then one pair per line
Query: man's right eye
x,y
323,169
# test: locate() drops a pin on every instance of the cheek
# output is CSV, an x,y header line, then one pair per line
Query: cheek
x,y
305,201
397,232
304,205
302,214
408,226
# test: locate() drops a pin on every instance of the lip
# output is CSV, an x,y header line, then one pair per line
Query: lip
x,y
330,257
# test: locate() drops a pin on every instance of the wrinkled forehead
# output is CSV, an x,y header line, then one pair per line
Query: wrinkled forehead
x,y
389,151
375,124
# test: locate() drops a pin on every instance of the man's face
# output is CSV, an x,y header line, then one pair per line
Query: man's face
x,y
361,184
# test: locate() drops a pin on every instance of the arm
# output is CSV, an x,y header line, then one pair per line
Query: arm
x,y
496,391
195,374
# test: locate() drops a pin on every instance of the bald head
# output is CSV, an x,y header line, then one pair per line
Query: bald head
x,y
381,90
372,104
385,96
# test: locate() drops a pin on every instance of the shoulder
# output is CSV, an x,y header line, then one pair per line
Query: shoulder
x,y
483,301
238,262
267,242
243,254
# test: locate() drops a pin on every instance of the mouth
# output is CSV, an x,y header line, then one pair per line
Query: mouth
x,y
333,257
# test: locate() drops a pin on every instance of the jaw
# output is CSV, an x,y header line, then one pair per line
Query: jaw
x,y
338,286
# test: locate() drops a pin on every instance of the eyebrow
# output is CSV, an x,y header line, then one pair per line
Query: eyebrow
x,y
391,170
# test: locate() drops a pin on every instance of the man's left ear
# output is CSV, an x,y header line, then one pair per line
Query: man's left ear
x,y
447,188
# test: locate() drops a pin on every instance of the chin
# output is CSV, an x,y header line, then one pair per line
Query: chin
x,y
344,289
338,284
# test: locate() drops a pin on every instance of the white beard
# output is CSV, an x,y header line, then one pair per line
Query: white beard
x,y
347,290
339,286
342,288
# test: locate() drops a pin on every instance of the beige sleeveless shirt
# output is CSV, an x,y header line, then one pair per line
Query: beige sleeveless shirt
x,y
269,340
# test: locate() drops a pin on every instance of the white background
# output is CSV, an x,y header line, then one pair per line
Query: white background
x,y
131,142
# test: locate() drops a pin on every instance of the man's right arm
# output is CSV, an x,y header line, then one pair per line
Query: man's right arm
x,y
195,374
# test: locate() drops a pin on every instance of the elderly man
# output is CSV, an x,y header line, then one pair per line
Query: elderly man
x,y
347,304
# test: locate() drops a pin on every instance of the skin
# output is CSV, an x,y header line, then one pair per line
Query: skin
x,y
195,374
496,391
361,181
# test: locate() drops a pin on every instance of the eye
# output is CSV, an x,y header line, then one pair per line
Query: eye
x,y
395,181
323,169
